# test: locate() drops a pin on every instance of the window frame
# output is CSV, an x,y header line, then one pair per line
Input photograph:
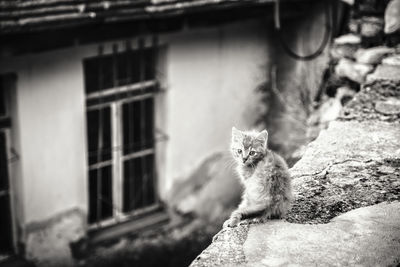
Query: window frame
x,y
117,158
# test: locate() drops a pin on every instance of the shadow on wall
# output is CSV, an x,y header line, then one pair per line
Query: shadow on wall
x,y
292,85
211,192
203,201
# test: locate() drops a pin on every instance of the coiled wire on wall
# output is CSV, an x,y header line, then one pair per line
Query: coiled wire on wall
x,y
288,50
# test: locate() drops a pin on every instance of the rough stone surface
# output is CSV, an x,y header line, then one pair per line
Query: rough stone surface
x,y
362,107
390,106
373,55
363,237
226,250
392,60
343,186
343,51
351,140
348,39
392,17
385,72
368,236
353,70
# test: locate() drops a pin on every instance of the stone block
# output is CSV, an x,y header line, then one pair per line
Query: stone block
x,y
385,72
392,17
392,60
345,46
343,51
352,39
353,70
390,106
371,26
373,55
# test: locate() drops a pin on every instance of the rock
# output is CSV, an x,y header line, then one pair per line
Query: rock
x,y
353,70
373,55
392,17
390,106
386,169
343,51
363,237
371,26
352,39
385,72
345,46
392,60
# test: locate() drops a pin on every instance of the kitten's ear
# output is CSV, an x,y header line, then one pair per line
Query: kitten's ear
x,y
263,136
236,133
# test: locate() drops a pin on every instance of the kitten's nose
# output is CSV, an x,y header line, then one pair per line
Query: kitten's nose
x,y
245,159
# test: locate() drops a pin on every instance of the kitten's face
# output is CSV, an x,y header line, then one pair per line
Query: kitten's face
x,y
248,147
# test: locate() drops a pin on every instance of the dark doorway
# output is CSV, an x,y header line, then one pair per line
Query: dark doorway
x,y
6,233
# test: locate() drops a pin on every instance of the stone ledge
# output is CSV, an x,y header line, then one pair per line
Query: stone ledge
x,y
368,236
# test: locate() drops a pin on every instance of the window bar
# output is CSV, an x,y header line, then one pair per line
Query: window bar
x,y
99,142
154,169
128,148
142,69
116,203
128,47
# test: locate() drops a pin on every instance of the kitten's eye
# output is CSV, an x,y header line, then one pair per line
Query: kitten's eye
x,y
252,153
239,151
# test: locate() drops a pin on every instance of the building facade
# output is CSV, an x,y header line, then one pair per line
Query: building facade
x,y
95,133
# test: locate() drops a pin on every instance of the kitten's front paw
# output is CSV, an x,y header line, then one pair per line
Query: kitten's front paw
x,y
231,222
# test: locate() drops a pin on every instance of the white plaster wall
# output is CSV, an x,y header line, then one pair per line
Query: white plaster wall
x,y
212,76
51,120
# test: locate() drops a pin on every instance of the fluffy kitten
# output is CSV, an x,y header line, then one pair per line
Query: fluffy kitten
x,y
264,175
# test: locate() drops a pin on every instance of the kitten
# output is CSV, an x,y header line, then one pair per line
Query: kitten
x,y
264,175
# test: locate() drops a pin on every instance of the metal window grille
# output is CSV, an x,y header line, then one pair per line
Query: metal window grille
x,y
120,91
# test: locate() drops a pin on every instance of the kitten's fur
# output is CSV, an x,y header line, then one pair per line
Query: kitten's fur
x,y
265,177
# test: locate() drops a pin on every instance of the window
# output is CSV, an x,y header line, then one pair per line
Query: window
x,y
120,100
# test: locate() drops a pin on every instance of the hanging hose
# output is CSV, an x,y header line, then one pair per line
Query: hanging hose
x,y
285,46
